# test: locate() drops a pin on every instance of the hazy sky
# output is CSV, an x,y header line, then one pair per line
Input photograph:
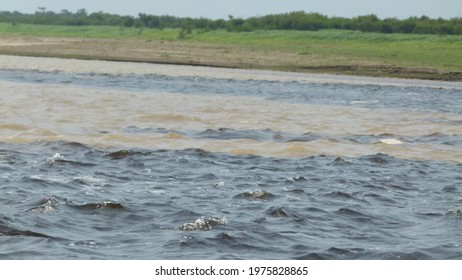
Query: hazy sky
x,y
247,8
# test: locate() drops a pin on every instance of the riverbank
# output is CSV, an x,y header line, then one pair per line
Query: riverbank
x,y
334,52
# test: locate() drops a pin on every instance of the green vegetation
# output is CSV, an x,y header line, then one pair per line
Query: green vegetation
x,y
356,52
346,47
328,47
88,31
287,21
418,42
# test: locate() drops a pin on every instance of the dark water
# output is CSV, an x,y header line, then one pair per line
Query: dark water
x,y
70,200
67,200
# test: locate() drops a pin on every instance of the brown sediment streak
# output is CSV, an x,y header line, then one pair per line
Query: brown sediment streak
x,y
98,117
118,68
31,112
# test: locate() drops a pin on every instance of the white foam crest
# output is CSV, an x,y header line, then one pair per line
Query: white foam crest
x,y
391,141
55,157
203,224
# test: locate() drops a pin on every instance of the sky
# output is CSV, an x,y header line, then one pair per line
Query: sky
x,y
215,9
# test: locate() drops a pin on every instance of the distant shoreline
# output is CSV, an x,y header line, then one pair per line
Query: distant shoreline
x,y
193,53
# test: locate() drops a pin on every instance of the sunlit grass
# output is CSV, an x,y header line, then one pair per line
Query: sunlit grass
x,y
88,31
437,51
407,50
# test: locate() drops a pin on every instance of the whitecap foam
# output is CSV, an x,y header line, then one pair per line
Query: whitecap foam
x,y
391,141
203,224
57,156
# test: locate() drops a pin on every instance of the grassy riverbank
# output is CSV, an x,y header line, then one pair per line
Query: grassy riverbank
x,y
324,51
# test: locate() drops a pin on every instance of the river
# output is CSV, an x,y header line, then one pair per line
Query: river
x,y
118,160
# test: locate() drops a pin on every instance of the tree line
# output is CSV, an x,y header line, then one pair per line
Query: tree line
x,y
285,21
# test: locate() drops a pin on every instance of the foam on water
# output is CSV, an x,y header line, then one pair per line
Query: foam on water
x,y
203,224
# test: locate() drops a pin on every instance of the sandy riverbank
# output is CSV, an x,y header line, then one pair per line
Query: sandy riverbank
x,y
203,54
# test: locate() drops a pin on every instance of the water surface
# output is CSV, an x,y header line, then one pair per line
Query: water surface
x,y
103,160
